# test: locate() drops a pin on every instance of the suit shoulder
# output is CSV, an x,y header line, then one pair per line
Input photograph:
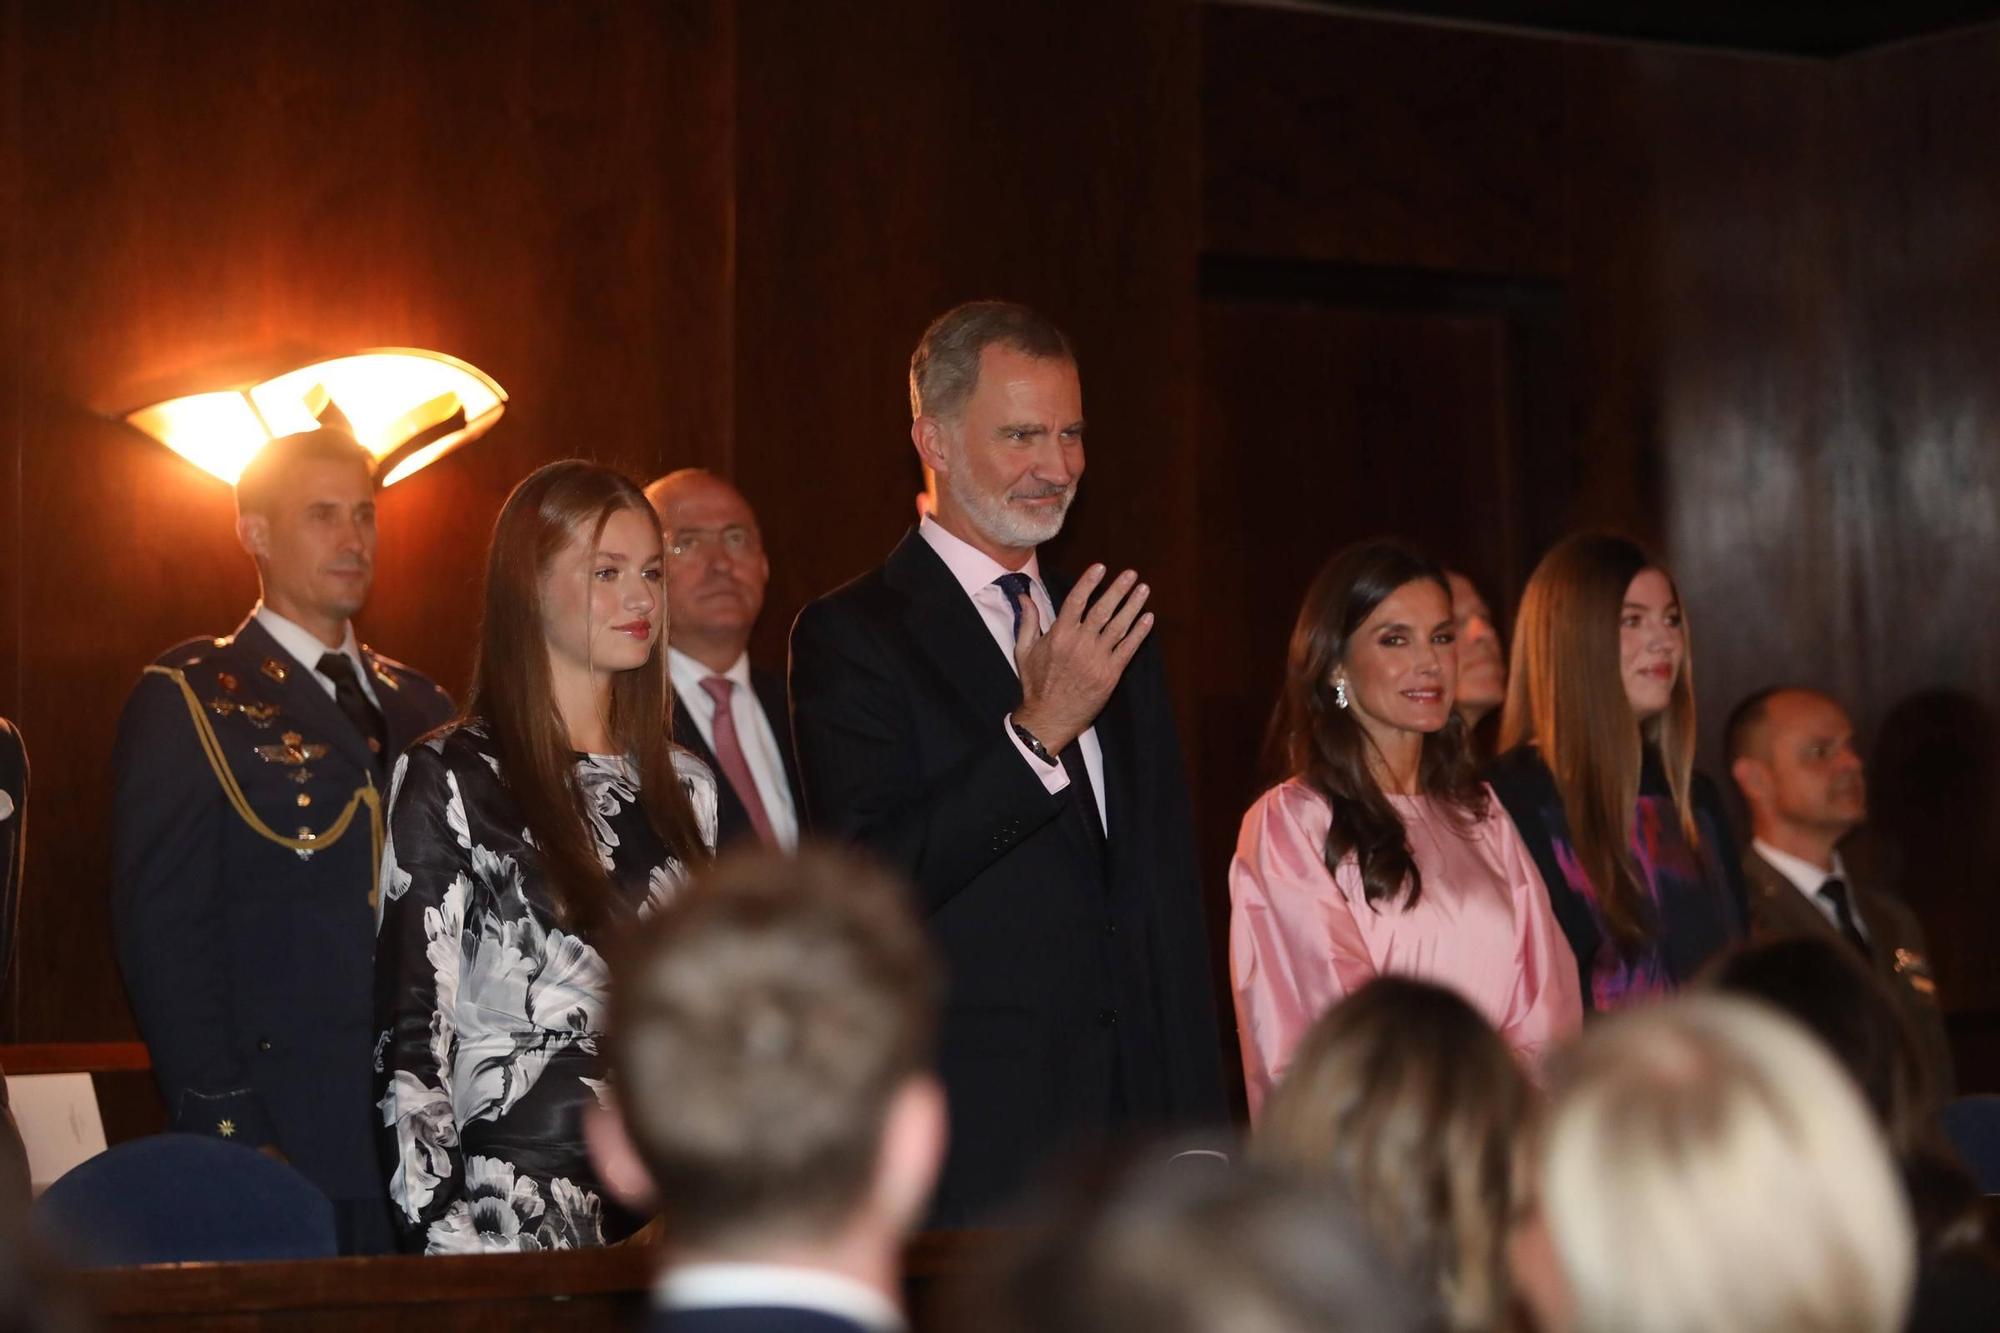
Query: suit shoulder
x,y
209,651
1896,915
864,594
205,665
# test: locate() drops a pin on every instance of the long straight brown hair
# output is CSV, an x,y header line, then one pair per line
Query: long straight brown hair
x,y
513,695
1324,745
1566,697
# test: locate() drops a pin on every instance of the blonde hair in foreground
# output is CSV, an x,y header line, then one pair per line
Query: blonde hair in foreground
x,y
1407,1101
1708,1168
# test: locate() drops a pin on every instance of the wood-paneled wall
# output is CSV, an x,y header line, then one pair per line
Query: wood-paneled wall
x,y
542,190
1738,306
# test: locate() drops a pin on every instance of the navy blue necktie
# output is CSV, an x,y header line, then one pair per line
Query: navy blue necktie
x,y
1015,586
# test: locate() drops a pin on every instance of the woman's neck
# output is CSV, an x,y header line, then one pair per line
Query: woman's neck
x,y
583,701
1395,759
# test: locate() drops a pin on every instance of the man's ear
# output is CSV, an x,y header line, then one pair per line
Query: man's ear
x,y
913,1142
253,534
1752,779
617,1160
928,434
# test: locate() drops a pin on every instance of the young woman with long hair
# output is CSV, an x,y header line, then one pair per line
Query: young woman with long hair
x,y
1406,1102
1597,771
1381,852
554,812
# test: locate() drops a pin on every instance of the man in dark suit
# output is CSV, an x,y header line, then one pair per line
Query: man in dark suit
x,y
732,715
251,774
1791,752
1004,737
771,1041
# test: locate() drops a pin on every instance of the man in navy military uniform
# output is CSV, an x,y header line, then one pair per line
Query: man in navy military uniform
x,y
251,777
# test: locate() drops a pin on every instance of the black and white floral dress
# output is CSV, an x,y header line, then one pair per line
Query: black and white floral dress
x,y
490,1013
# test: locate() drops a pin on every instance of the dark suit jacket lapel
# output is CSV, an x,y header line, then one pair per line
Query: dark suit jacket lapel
x,y
1785,908
948,629
731,818
313,712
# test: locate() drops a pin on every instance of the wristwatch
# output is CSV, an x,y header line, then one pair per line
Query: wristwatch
x,y
1034,744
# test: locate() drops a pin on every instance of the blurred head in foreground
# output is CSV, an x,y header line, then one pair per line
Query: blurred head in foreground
x,y
771,1048
1405,1099
1181,1247
1705,1165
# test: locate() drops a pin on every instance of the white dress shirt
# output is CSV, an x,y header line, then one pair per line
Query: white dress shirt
x,y
304,647
736,1286
975,571
1807,877
753,730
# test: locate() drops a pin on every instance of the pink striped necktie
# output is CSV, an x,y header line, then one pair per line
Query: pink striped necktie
x,y
729,753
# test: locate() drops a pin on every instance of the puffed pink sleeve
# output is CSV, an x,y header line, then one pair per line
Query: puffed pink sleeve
x,y
1546,1007
1294,946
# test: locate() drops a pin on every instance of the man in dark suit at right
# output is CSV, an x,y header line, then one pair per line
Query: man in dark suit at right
x,y
732,715
1003,736
1791,752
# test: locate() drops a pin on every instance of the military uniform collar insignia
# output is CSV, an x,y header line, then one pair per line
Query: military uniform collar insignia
x,y
376,669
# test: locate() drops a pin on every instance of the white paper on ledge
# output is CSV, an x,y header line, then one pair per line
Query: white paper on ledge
x,y
58,1119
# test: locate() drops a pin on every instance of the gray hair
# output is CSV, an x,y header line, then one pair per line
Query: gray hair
x,y
945,367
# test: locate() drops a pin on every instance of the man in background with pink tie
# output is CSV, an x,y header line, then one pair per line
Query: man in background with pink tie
x,y
731,715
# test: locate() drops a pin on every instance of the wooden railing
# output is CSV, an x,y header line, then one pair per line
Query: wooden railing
x,y
578,1289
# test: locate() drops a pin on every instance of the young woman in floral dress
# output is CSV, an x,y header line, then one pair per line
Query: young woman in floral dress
x,y
522,837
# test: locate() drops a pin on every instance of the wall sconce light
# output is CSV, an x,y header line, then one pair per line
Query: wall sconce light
x,y
407,406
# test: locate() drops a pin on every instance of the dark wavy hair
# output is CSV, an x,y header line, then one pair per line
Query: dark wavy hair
x,y
1325,747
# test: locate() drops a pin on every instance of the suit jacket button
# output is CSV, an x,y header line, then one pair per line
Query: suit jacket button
x,y
1107,1018
263,1043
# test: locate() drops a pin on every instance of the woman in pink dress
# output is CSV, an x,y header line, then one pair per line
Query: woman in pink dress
x,y
1383,853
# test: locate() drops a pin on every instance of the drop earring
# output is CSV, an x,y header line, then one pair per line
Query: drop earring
x,y
1340,694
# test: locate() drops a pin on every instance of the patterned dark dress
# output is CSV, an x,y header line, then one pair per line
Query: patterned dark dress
x,y
489,1012
1696,893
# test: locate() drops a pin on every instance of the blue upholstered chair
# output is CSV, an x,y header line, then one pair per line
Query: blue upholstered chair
x,y
179,1198
1973,1126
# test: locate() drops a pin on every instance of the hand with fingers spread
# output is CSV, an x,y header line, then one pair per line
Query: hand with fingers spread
x,y
1070,669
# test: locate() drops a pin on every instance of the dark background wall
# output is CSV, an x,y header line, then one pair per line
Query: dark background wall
x,y
1329,276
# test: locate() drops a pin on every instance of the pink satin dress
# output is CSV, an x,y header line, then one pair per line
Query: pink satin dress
x,y
1300,939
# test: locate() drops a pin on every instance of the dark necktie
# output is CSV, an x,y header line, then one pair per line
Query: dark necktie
x,y
1015,586
729,754
1834,893
354,701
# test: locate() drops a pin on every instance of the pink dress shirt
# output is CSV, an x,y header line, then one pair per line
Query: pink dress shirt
x,y
1301,939
975,571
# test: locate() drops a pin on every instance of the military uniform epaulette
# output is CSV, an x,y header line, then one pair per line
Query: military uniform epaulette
x,y
397,675
233,697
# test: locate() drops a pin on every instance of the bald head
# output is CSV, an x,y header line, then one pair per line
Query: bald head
x,y
1791,751
716,565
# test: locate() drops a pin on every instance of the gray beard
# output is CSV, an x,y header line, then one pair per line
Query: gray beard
x,y
1001,523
